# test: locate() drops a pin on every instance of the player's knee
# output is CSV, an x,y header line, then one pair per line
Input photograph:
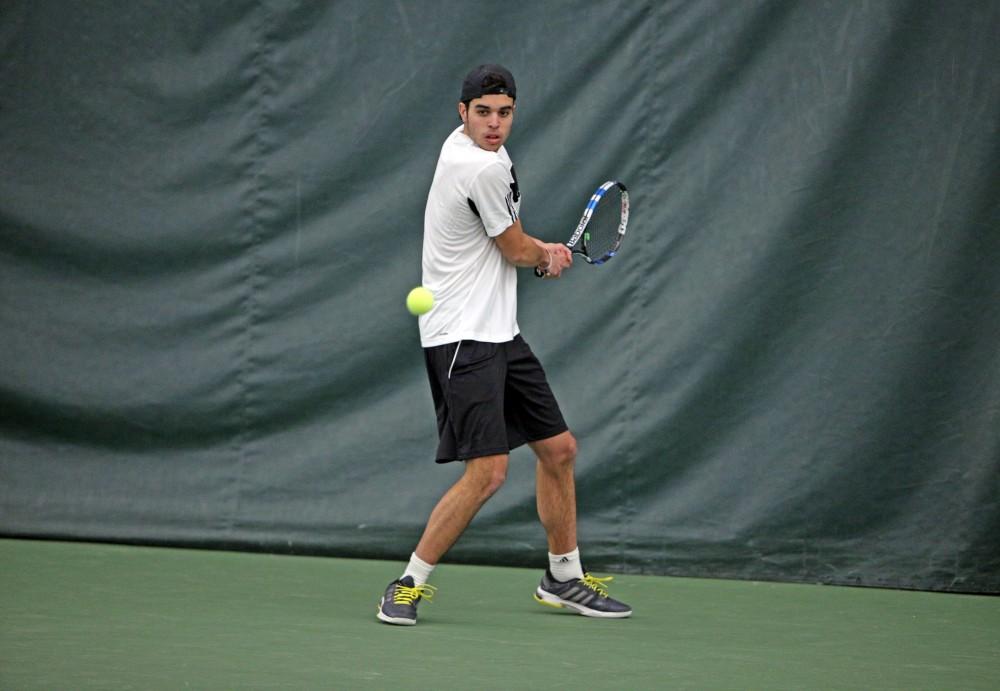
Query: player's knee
x,y
495,481
562,454
567,452
488,475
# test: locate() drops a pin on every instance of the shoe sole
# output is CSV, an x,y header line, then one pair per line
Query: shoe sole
x,y
549,600
399,621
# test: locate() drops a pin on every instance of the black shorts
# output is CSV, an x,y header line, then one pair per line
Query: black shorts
x,y
490,398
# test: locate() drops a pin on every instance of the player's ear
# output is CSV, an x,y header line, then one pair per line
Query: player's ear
x,y
463,112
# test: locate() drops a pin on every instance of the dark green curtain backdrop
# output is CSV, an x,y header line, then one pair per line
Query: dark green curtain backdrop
x,y
210,214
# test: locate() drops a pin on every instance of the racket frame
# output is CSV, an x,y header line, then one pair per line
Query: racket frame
x,y
588,213
581,227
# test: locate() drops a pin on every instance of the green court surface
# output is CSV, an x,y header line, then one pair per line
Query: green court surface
x,y
89,616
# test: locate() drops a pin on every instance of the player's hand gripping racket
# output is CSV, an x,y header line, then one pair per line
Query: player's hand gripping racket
x,y
601,230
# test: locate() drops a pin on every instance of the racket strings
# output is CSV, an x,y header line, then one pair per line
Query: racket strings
x,y
600,238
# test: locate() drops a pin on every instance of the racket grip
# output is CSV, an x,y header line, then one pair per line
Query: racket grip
x,y
539,273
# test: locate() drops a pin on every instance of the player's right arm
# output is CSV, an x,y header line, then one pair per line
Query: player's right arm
x,y
520,249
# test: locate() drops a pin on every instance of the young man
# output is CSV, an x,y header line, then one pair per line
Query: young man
x,y
489,390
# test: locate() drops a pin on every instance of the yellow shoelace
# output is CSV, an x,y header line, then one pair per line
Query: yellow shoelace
x,y
597,584
407,596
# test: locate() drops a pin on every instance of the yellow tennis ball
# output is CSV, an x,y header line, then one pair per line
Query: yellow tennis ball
x,y
419,301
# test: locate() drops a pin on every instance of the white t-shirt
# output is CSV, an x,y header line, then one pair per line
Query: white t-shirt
x,y
473,199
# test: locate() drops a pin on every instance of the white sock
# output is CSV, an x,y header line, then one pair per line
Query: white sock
x,y
419,569
566,567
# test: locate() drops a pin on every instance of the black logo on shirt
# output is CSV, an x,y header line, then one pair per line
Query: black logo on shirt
x,y
513,186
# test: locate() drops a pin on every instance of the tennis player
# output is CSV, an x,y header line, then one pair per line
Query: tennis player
x,y
490,392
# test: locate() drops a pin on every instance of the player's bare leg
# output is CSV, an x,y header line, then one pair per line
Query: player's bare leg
x,y
456,509
565,584
555,489
449,519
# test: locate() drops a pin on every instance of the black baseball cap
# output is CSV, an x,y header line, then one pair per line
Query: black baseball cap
x,y
488,79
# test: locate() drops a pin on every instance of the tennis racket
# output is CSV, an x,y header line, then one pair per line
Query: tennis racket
x,y
601,229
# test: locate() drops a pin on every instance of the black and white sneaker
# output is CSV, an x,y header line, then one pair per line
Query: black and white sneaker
x,y
587,596
399,604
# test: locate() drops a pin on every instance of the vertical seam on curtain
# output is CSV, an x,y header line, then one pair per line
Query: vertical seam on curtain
x,y
636,306
254,214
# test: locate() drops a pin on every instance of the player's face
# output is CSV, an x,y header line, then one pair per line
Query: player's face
x,y
488,120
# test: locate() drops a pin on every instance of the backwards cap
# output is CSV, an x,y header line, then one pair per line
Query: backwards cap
x,y
488,79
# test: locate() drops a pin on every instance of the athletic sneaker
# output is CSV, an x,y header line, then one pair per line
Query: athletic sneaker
x,y
587,596
399,604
